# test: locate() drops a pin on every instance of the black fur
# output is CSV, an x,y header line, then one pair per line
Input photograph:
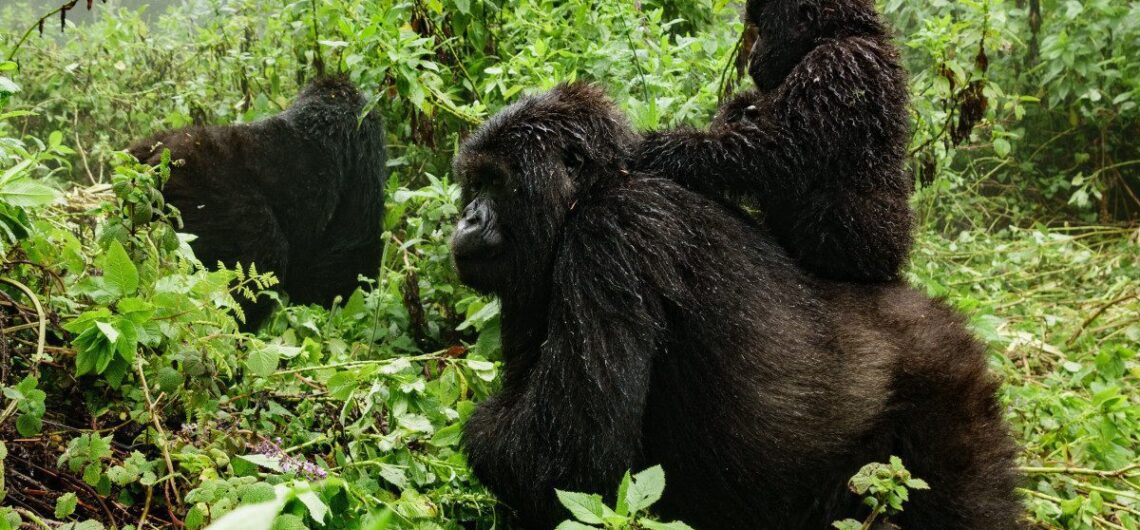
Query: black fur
x,y
643,323
820,147
299,194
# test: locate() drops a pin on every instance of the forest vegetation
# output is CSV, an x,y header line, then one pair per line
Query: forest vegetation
x,y
132,398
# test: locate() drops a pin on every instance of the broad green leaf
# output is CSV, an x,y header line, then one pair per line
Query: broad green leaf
x,y
574,525
379,521
646,489
13,171
258,516
447,436
27,193
267,462
65,505
317,508
119,272
341,385
584,507
29,425
622,507
108,331
262,362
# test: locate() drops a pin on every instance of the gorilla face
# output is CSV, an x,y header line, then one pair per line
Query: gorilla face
x,y
522,173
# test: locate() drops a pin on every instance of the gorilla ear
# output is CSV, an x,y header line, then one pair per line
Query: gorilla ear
x,y
573,159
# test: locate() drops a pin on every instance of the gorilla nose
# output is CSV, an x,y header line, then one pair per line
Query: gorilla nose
x,y
476,233
473,219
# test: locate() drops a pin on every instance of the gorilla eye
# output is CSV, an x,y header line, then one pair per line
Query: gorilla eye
x,y
485,179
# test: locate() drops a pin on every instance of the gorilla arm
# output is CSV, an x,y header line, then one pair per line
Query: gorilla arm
x,y
744,153
840,116
573,420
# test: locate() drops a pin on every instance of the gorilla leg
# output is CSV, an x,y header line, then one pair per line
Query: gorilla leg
x,y
950,431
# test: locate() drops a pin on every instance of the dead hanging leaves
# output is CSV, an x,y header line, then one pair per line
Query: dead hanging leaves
x,y
970,102
62,10
38,25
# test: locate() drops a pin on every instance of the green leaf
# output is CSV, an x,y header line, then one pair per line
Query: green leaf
x,y
27,193
622,507
574,525
583,506
262,362
317,508
1002,147
258,516
65,506
447,436
29,425
267,462
646,489
119,272
92,473
341,385
379,521
108,331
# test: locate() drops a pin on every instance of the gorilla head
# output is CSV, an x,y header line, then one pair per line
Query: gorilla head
x,y
791,28
517,199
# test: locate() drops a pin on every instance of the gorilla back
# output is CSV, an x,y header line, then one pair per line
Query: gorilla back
x,y
820,147
299,194
643,323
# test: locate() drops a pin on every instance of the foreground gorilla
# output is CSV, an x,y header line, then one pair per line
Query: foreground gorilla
x,y
645,324
299,194
821,145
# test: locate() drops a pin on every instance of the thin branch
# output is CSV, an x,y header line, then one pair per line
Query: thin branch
x,y
40,24
1096,314
1065,470
150,404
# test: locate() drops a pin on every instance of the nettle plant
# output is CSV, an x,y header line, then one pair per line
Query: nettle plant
x,y
634,497
884,487
145,281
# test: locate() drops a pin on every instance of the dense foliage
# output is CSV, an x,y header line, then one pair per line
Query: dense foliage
x,y
132,399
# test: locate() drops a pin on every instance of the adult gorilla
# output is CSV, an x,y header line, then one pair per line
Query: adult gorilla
x,y
643,324
299,194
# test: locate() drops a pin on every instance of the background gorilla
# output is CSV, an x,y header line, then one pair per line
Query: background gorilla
x,y
821,146
644,324
299,194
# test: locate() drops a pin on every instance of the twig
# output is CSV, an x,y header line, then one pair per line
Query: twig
x,y
39,24
79,147
11,408
1096,314
1064,470
35,518
636,60
146,507
42,342
157,426
1058,500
